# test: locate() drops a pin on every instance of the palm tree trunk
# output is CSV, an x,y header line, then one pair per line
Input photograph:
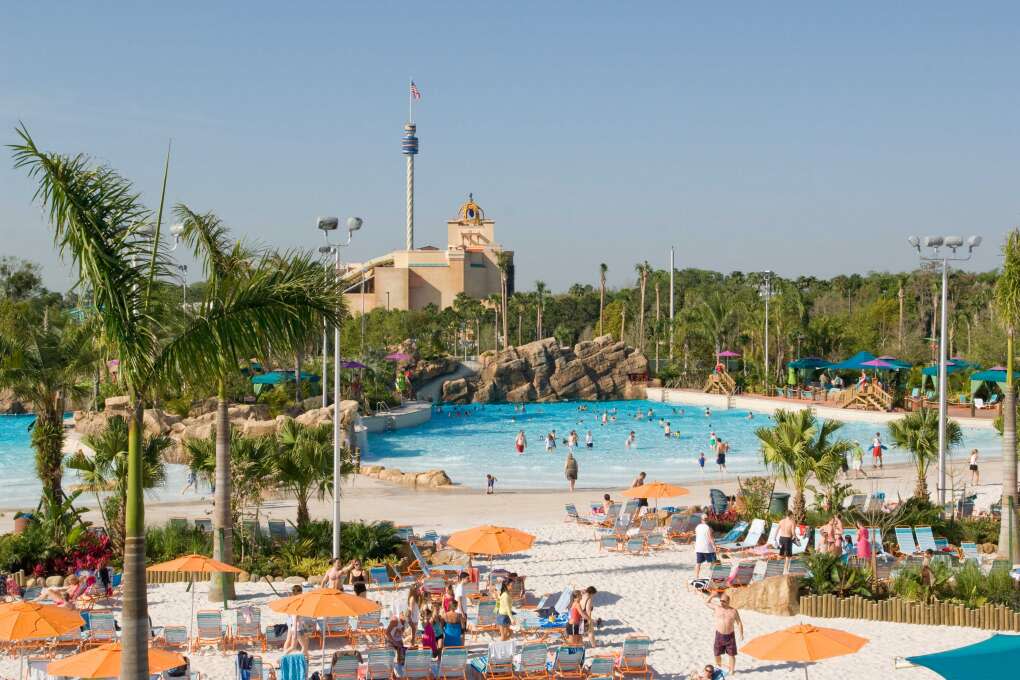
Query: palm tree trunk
x,y
602,306
134,615
623,322
1009,531
48,441
641,314
900,334
303,516
297,376
797,506
921,488
221,586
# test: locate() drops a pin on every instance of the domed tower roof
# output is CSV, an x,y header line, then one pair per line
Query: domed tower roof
x,y
470,212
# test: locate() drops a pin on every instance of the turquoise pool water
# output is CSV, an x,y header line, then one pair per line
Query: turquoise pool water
x,y
21,486
469,447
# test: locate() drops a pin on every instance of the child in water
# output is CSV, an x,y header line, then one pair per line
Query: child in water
x,y
490,485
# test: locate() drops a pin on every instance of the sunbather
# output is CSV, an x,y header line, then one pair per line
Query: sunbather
x,y
64,596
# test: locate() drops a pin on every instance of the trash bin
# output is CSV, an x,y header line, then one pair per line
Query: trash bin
x,y
777,506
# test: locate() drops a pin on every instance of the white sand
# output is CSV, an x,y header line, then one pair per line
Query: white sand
x,y
636,595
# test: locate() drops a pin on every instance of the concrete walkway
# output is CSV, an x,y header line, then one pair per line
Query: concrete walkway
x,y
433,389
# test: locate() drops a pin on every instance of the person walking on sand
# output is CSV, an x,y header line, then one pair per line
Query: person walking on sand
x,y
787,529
570,470
704,546
975,477
858,457
727,625
521,442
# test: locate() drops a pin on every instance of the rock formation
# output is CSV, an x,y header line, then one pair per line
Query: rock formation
x,y
546,371
432,479
777,595
10,404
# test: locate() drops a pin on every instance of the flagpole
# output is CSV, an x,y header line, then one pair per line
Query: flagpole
x,y
410,104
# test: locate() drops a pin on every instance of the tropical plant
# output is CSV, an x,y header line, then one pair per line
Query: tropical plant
x,y
643,269
799,447
369,541
827,574
755,496
304,466
44,366
1007,304
275,301
920,584
918,433
540,289
505,261
603,268
105,472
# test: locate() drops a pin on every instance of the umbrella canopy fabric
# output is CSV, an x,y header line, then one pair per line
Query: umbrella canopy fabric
x,y
28,620
397,356
728,354
991,375
352,364
655,490
951,367
893,360
994,658
323,602
803,642
195,564
809,362
104,662
277,377
880,363
491,540
854,362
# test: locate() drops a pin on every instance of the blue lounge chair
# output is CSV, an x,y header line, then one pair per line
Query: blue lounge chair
x,y
905,541
733,535
754,533
970,552
925,539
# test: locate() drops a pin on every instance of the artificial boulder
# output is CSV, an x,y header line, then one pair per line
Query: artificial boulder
x,y
777,595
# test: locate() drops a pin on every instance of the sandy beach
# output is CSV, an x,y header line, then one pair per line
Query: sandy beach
x,y
637,594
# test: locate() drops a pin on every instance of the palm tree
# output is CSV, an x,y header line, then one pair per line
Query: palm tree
x,y
540,292
106,471
798,447
44,366
918,432
505,262
603,268
279,300
1007,304
305,463
642,269
496,304
113,242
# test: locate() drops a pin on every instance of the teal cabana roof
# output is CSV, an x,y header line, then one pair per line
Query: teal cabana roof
x,y
951,367
277,377
990,375
809,362
992,658
859,362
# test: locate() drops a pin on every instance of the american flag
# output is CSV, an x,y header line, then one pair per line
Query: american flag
x,y
415,93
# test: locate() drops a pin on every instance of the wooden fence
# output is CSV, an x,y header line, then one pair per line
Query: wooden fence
x,y
988,617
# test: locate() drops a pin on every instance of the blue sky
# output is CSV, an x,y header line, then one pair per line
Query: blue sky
x,y
807,138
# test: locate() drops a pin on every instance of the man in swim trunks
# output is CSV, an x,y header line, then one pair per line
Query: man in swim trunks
x,y
727,625
521,442
787,530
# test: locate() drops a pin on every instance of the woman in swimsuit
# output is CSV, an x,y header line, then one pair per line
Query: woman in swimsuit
x,y
453,628
574,617
415,600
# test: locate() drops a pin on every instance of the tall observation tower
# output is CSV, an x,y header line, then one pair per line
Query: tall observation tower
x,y
409,147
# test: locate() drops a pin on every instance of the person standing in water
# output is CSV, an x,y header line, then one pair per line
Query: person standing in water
x,y
521,442
570,470
589,442
631,440
701,461
721,448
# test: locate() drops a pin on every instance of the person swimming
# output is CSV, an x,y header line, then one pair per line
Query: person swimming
x,y
631,442
708,412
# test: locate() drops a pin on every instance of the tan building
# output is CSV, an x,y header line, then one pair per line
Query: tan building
x,y
416,278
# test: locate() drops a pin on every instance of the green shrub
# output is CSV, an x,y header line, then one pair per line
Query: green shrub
x,y
828,575
169,542
756,493
180,406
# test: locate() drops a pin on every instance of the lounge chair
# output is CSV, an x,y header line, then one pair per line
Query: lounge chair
x,y
601,668
856,502
572,515
430,536
277,530
336,627
273,638
348,667
636,546
70,640
453,663
417,665
875,502
970,552
733,535
1000,565
751,540
532,662
101,629
368,627
648,524
942,544
254,670
925,539
720,503
250,528
774,568
485,617
204,524
498,662
609,543
405,533
248,627
633,660
905,541
175,637
611,515
683,529
380,576
421,565
568,662
655,541
379,664
210,630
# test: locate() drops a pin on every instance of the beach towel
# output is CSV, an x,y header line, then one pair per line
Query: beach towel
x,y
293,667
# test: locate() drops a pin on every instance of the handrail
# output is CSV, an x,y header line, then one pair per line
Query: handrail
x,y
382,407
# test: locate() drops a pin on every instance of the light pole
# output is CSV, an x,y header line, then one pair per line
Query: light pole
x,y
183,269
177,230
328,224
767,293
325,251
951,243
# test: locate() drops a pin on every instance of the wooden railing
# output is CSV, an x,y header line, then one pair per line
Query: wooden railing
x,y
720,382
987,617
869,396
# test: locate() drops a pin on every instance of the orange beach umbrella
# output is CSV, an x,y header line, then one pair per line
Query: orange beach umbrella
x,y
195,564
655,490
323,602
27,620
803,642
491,540
104,662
